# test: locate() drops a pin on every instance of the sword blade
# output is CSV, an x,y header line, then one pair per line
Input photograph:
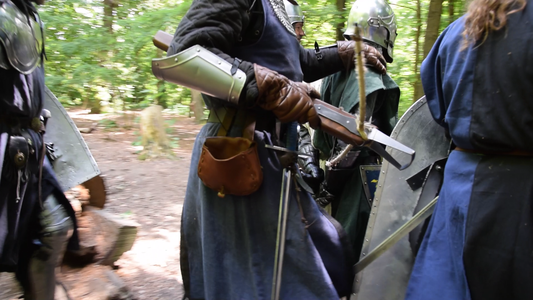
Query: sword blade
x,y
281,234
396,236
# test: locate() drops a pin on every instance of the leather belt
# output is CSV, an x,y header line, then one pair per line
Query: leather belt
x,y
512,153
240,117
11,122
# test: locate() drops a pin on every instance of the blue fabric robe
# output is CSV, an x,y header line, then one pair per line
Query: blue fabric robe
x,y
228,245
479,242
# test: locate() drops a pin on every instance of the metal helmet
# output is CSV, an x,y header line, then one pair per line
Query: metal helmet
x,y
377,24
294,11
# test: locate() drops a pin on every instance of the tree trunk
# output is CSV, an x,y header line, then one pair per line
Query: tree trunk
x,y
197,106
109,6
451,11
432,33
96,107
417,48
341,7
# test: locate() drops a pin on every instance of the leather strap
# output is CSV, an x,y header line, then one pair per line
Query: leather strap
x,y
513,153
229,117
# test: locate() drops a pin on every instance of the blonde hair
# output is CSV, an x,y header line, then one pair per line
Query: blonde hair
x,y
484,16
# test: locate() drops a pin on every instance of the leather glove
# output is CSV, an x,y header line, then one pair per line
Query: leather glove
x,y
373,59
324,197
288,100
308,161
312,174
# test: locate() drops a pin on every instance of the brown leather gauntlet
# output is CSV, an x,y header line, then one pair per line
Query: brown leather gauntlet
x,y
372,57
288,100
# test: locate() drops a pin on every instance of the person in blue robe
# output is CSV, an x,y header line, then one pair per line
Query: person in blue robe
x,y
228,244
478,82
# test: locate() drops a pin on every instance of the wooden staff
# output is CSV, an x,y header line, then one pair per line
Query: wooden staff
x,y
361,76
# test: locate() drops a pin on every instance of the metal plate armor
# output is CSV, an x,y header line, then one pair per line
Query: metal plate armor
x,y
21,39
73,163
394,204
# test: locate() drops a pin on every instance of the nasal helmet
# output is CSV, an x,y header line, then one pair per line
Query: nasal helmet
x,y
294,11
376,22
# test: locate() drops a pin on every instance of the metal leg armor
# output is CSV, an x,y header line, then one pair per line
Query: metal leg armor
x,y
57,229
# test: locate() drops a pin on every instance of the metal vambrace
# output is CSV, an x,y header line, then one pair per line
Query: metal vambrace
x,y
202,70
56,230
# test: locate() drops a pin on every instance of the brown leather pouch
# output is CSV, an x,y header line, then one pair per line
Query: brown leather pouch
x,y
230,165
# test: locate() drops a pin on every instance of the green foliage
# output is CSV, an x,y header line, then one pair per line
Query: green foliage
x,y
108,124
89,64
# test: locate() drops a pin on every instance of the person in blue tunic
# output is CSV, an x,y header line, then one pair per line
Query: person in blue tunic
x,y
478,81
343,187
228,244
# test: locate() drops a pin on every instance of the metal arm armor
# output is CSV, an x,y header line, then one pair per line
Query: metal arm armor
x,y
200,69
21,39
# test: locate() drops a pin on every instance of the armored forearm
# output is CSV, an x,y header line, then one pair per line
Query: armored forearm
x,y
324,61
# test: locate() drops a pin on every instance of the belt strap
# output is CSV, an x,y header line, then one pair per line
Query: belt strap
x,y
513,153
229,117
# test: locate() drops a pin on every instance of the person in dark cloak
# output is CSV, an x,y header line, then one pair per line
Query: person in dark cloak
x,y
228,244
36,219
478,83
343,186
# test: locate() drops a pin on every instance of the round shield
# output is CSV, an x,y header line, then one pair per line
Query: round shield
x,y
396,199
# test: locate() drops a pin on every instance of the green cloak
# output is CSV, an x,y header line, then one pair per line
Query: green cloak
x,y
351,207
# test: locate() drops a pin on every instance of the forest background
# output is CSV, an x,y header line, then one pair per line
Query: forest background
x,y
99,52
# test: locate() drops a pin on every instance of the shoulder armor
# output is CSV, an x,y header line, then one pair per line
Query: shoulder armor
x,y
21,39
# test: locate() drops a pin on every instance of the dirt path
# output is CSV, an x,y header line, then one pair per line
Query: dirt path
x,y
150,192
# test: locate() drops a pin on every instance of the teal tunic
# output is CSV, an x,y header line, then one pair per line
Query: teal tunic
x,y
350,207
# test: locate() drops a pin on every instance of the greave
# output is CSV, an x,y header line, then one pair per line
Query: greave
x,y
57,229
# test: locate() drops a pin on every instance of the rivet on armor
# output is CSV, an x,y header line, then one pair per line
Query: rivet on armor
x,y
20,160
257,32
364,254
176,59
198,50
347,122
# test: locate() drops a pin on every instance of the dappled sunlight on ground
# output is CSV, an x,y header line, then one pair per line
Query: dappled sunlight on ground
x,y
149,192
